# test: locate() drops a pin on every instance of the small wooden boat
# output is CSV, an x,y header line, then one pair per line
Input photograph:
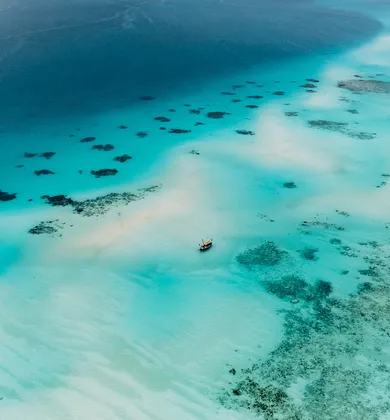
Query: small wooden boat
x,y
206,245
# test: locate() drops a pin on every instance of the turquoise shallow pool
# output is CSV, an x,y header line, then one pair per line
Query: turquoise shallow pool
x,y
268,137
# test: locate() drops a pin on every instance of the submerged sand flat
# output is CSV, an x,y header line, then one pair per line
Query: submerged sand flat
x,y
108,311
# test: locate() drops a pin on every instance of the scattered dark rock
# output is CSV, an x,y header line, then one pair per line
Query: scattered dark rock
x,y
104,147
87,139
245,132
30,155
122,127
178,131
250,82
252,106
43,172
30,199
291,114
278,93
194,152
19,166
344,272
104,172
195,111
311,90
198,123
217,114
236,100
71,135
232,371
312,80
122,158
80,171
255,96
4,196
308,86
335,241
238,86
146,98
353,111
289,185
187,105
162,119
142,134
172,110
228,93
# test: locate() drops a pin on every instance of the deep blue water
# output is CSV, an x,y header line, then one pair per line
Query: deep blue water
x,y
71,58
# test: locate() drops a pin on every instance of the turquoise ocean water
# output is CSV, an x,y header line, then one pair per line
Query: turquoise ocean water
x,y
261,126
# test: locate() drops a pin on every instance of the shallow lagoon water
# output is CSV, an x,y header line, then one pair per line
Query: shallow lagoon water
x,y
118,316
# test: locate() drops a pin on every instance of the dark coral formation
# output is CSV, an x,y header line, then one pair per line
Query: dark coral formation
x,y
312,80
252,106
322,224
289,185
87,139
353,111
142,134
236,100
198,124
122,127
340,127
291,114
122,158
309,253
99,205
250,82
245,132
162,119
47,155
58,200
30,155
309,86
228,93
49,227
255,96
4,196
104,172
43,172
266,254
194,152
178,131
365,86
146,98
195,111
103,147
278,93
334,348
217,114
